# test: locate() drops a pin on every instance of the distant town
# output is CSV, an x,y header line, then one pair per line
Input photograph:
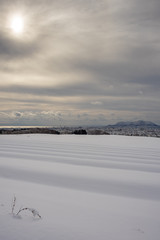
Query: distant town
x,y
138,128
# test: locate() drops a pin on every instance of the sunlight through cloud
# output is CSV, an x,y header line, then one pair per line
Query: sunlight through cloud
x,y
17,24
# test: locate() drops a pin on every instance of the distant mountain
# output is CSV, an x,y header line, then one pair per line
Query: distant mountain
x,y
139,123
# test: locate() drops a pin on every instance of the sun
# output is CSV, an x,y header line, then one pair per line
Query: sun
x,y
17,24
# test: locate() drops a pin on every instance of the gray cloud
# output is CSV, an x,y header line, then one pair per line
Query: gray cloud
x,y
10,48
99,59
84,89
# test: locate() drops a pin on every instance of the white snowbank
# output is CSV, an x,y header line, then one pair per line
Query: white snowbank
x,y
84,187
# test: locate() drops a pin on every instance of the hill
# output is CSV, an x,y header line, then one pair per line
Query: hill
x,y
139,123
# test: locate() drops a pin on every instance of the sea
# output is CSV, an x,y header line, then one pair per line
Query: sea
x,y
18,127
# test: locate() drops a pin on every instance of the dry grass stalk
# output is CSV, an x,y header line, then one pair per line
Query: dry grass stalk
x,y
13,204
32,210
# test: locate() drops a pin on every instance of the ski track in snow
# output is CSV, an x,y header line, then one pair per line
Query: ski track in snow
x,y
109,184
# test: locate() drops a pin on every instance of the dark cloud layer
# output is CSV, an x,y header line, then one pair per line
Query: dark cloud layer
x,y
9,48
89,61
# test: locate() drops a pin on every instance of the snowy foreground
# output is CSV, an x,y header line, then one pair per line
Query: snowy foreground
x,y
84,187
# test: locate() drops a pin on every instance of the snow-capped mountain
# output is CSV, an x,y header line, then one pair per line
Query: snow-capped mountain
x,y
139,123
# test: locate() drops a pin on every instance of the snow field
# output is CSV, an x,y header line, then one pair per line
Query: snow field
x,y
84,187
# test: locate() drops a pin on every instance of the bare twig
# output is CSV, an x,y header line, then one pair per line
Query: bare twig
x,y
13,204
34,211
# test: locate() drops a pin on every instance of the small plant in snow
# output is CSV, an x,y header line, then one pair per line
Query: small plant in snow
x,y
32,210
13,204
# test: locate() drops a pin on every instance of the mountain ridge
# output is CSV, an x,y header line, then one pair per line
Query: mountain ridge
x,y
139,123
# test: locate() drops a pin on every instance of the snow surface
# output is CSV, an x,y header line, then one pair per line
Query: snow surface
x,y
84,187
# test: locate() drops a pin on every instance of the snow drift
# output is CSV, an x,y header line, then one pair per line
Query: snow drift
x,y
85,187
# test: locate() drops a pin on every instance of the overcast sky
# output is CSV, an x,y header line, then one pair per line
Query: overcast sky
x,y
79,62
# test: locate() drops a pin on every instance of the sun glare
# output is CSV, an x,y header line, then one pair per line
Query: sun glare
x,y
17,24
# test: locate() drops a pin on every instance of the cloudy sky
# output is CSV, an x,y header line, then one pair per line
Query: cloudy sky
x,y
79,62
